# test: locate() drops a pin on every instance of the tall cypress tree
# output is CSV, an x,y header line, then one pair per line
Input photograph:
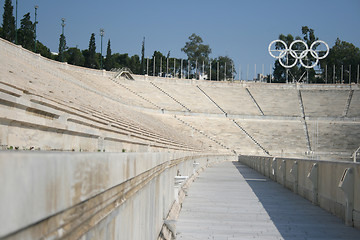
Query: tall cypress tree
x,y
8,25
143,57
108,59
26,33
62,47
90,60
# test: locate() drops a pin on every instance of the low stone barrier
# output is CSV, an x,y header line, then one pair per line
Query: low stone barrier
x,y
334,186
57,195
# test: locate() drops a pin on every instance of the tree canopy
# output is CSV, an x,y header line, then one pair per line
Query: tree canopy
x,y
74,56
341,54
109,63
26,33
195,50
8,24
90,55
297,72
62,47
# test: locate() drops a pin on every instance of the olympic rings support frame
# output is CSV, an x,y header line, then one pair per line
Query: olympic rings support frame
x,y
298,57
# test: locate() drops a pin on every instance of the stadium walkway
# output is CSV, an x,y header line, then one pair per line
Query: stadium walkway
x,y
231,201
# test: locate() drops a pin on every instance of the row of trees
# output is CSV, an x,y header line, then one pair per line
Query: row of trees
x,y
341,54
197,52
198,63
25,35
198,60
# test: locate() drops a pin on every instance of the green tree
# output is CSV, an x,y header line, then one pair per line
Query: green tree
x,y
26,33
109,63
341,54
298,72
159,58
8,25
43,50
230,72
143,57
135,64
121,60
90,57
62,48
196,51
75,57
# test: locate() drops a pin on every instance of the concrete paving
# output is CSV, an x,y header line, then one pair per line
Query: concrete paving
x,y
231,201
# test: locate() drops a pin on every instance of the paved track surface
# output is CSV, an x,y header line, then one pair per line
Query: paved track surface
x,y
231,201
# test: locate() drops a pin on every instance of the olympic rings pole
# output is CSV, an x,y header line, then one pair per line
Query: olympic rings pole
x,y
284,52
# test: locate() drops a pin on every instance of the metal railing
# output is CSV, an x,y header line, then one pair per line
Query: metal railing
x,y
356,154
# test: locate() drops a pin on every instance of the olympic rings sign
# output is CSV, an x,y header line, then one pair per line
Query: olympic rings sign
x,y
298,54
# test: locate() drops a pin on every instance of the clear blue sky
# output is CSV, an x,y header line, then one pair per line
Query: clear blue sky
x,y
240,29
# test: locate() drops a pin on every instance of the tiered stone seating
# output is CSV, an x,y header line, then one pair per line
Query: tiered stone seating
x,y
324,103
354,108
199,137
108,86
225,132
148,91
232,98
190,96
73,108
279,137
276,101
334,137
114,114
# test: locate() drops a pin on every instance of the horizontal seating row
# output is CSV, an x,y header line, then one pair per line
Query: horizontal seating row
x,y
34,109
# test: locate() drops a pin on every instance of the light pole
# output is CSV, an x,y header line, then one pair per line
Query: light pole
x,y
240,72
196,69
154,66
160,72
342,74
325,74
36,7
203,68
63,42
174,67
255,77
225,72
247,73
270,72
102,32
210,71
167,67
349,74
188,69
181,69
